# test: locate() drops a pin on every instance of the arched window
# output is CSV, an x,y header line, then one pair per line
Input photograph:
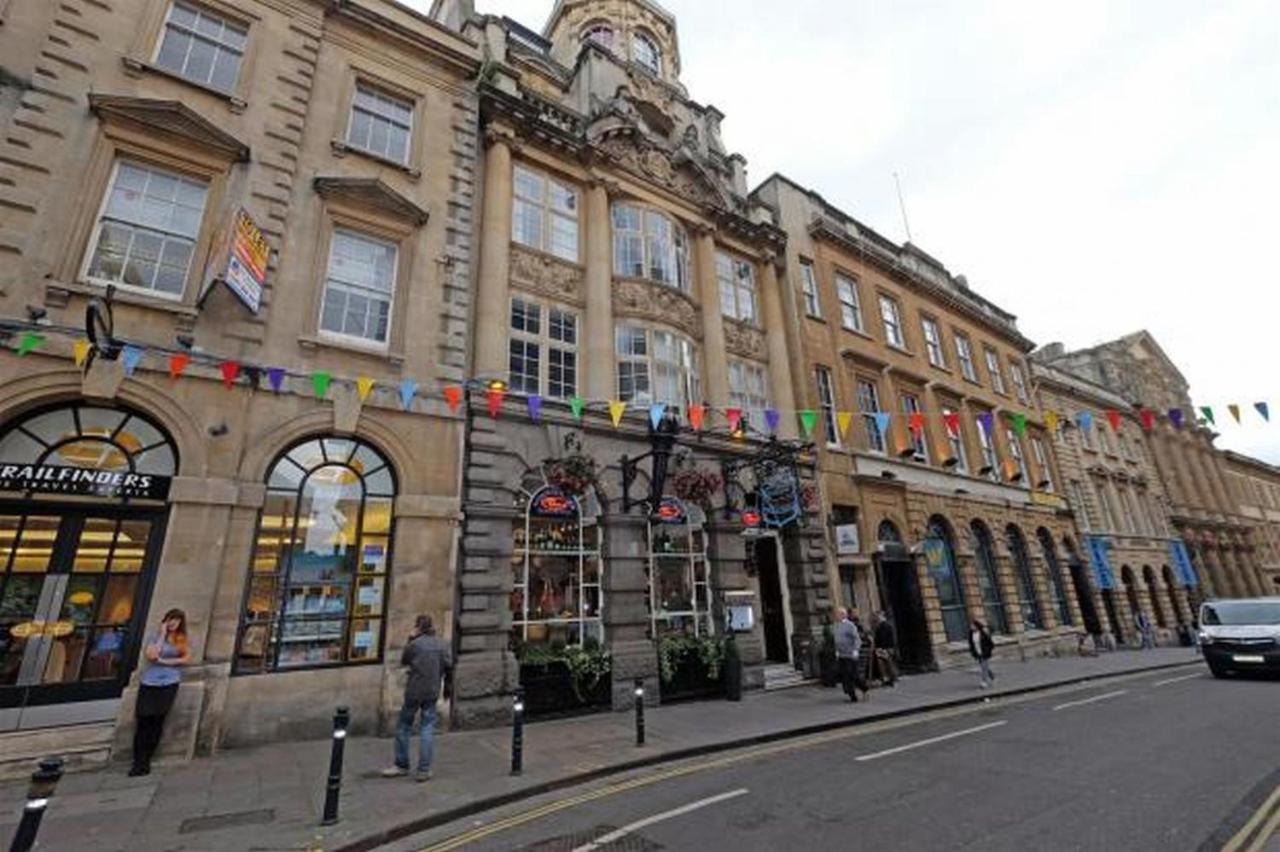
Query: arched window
x,y
1130,590
651,245
888,532
988,580
317,585
599,33
1171,587
679,578
1057,586
90,437
556,596
646,54
1149,577
1032,618
940,557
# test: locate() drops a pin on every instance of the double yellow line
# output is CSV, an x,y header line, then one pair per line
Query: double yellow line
x,y
1259,829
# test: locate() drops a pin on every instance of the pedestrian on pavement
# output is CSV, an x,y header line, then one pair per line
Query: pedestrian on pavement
x,y
981,646
1144,629
430,663
848,646
166,652
886,649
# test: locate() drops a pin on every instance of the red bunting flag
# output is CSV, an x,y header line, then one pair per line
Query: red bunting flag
x,y
952,419
916,422
230,369
1148,419
453,397
177,363
495,401
735,417
1113,417
696,415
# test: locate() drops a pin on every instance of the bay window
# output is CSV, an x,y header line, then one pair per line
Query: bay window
x,y
648,244
656,366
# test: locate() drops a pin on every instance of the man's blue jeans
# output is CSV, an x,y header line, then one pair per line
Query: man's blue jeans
x,y
404,728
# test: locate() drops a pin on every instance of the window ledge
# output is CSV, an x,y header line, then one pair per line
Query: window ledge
x,y
136,68
318,341
815,318
57,293
943,368
902,350
974,382
857,331
341,149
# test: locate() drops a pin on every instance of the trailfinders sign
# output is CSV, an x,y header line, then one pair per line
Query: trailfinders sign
x,y
60,479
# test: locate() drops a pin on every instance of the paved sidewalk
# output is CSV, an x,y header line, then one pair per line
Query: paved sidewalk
x,y
271,797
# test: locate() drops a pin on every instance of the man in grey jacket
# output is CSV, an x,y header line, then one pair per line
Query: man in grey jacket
x,y
848,647
429,662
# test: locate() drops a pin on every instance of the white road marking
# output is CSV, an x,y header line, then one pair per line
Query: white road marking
x,y
1177,679
930,741
606,839
1102,697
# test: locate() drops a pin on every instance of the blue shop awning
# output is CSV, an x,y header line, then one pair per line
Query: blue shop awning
x,y
1099,554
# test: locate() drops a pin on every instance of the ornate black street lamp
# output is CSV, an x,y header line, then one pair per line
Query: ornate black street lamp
x,y
662,441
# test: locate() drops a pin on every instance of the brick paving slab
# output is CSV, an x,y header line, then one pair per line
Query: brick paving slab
x,y
271,797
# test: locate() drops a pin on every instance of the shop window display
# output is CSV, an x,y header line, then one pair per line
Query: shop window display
x,y
679,583
317,586
556,596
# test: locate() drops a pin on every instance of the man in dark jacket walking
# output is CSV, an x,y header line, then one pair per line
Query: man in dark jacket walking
x,y
886,649
981,647
429,662
848,646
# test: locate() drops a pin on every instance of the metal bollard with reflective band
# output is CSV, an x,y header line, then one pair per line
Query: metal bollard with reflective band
x,y
639,711
43,782
333,788
517,732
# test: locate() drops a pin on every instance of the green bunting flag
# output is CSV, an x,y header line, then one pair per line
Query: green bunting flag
x,y
1019,424
29,341
576,405
808,419
1208,414
320,381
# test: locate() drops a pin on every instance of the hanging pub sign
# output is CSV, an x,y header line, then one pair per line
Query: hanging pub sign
x,y
61,479
244,269
551,502
670,511
1099,547
1186,572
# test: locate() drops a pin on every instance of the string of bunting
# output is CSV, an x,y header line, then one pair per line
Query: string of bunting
x,y
408,390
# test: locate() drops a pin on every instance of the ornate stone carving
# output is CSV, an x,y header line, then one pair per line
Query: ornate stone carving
x,y
543,275
640,157
658,303
745,341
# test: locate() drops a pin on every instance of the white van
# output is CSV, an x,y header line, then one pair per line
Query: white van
x,y
1241,635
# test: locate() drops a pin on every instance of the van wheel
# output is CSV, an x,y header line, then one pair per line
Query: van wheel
x,y
1218,671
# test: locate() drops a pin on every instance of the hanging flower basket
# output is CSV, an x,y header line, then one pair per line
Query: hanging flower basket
x,y
575,472
696,485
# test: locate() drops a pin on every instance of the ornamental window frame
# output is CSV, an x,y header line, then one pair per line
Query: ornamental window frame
x,y
984,561
383,108
555,208
554,338
646,53
639,238
686,373
749,389
230,24
736,279
1032,612
692,561
572,533
345,231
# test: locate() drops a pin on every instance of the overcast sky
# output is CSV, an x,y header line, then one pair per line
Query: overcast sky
x,y
1093,167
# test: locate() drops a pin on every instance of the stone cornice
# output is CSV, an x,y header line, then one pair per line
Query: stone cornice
x,y
172,118
371,193
424,35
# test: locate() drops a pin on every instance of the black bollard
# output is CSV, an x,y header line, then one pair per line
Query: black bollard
x,y
43,782
341,719
517,732
639,711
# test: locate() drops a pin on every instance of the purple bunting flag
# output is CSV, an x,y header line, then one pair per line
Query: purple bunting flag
x,y
275,375
772,418
535,408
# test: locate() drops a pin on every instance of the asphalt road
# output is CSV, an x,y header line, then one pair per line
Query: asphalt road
x,y
1166,761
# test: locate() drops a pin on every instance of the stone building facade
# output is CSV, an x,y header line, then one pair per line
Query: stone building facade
x,y
620,262
1255,486
949,509
253,459
1110,479
1219,538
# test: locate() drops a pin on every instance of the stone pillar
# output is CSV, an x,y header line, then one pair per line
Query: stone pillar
x,y
495,260
1169,472
715,362
780,392
600,362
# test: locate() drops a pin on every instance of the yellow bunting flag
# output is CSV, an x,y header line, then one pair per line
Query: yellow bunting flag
x,y
616,410
844,419
364,387
80,350
1051,421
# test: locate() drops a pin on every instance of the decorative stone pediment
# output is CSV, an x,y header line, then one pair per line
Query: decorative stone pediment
x,y
543,275
657,303
171,118
677,172
373,194
745,341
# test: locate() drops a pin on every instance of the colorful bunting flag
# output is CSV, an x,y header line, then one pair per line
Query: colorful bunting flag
x,y
656,412
773,419
617,408
130,358
495,396
883,419
408,390
535,407
80,350
951,420
1235,411
364,387
1148,418
178,362
844,419
453,397
696,415
1051,421
808,419
29,341
916,422
1263,410
231,369
1208,414
1019,424
320,382
275,377
1113,417
1085,420
987,421
576,405
1175,417
734,416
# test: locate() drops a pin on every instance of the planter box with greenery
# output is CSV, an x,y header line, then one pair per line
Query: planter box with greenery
x,y
690,667
563,680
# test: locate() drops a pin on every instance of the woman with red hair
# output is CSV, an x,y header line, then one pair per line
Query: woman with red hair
x,y
166,652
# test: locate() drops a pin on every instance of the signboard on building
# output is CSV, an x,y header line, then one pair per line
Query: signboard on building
x,y
61,479
246,272
553,503
1099,554
1185,571
847,542
937,557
